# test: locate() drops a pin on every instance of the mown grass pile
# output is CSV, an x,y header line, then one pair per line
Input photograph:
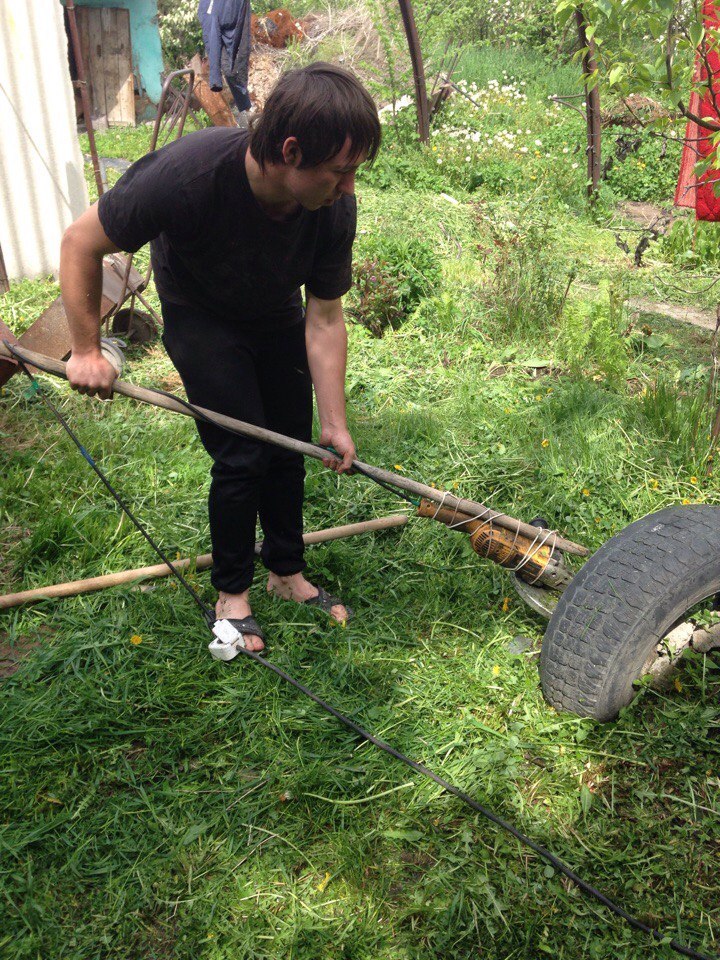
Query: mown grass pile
x,y
159,804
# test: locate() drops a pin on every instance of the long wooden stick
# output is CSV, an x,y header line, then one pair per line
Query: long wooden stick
x,y
159,399
92,584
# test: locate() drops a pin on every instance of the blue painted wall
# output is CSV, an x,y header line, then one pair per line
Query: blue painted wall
x,y
144,39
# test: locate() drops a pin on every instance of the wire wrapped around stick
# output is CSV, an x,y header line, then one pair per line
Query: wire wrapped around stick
x,y
514,551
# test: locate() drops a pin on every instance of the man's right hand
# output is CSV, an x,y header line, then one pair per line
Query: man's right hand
x,y
91,373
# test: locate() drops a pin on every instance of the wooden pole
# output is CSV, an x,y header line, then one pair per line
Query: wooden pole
x,y
158,399
92,584
82,86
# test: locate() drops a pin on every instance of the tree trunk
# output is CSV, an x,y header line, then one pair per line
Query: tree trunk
x,y
592,106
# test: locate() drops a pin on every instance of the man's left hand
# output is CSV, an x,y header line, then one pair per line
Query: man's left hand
x,y
341,441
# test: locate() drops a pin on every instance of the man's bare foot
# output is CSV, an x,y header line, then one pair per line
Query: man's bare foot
x,y
235,606
296,587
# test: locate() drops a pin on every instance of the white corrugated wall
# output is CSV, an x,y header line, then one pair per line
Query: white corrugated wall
x,y
42,188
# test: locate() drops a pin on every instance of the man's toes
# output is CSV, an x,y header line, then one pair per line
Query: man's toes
x,y
339,613
254,643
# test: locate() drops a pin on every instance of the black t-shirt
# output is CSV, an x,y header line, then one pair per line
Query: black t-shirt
x,y
213,247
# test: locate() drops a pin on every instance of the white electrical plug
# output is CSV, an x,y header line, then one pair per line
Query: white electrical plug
x,y
227,642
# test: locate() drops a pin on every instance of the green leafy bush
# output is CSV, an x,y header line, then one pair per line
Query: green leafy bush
x,y
392,278
180,31
525,23
648,174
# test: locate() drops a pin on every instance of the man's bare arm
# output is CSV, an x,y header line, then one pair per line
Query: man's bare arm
x,y
84,245
326,340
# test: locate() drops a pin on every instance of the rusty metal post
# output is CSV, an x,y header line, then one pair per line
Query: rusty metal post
x,y
421,101
81,84
4,282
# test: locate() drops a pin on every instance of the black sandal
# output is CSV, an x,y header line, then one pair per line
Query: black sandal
x,y
248,625
326,602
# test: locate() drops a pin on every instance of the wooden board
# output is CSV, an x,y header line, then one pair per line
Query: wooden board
x,y
107,54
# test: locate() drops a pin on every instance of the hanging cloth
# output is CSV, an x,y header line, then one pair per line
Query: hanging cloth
x,y
693,191
226,34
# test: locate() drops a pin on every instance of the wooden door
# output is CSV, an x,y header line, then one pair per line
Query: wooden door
x,y
106,50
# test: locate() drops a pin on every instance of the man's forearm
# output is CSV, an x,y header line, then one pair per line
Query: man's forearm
x,y
81,286
327,357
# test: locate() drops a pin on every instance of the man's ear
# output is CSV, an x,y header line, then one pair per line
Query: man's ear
x,y
292,154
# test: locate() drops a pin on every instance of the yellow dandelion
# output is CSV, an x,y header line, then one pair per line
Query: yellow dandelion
x,y
323,883
597,519
508,410
654,484
693,479
506,604
455,484
545,443
586,492
136,639
399,467
496,670
677,685
685,502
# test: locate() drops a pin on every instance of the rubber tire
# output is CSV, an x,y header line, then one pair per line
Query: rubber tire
x,y
619,606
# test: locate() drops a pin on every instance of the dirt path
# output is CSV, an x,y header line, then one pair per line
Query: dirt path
x,y
707,319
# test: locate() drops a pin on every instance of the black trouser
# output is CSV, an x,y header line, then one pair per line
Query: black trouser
x,y
262,378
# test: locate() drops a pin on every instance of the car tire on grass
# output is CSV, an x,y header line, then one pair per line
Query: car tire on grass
x,y
626,598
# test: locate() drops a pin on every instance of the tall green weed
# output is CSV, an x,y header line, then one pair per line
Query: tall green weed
x,y
692,243
681,419
592,337
529,285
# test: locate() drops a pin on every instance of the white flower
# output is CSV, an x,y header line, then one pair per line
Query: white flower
x,y
566,150
574,166
523,149
538,143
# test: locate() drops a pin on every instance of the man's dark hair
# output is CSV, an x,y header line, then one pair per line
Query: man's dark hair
x,y
321,105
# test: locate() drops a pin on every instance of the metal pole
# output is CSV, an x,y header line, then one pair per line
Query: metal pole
x,y
82,86
421,101
4,282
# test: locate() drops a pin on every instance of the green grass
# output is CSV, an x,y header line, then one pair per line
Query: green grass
x,y
159,804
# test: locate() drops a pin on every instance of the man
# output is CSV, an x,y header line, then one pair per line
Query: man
x,y
239,221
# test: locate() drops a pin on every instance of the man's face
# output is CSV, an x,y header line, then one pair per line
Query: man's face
x,y
321,186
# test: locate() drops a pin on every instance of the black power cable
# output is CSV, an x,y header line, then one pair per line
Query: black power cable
x,y
209,616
